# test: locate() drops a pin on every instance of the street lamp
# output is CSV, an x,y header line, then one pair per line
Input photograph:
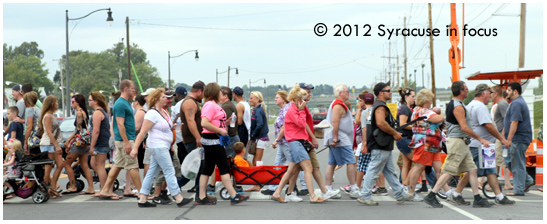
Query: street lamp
x,y
169,64
414,79
109,19
237,73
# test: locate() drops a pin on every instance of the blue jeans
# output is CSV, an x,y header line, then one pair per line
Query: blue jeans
x,y
518,167
283,155
381,162
160,160
230,147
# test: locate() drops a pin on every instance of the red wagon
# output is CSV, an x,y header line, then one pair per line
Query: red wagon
x,y
257,175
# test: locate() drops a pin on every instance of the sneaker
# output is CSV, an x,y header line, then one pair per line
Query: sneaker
x,y
417,198
267,192
238,199
527,187
405,188
330,194
381,192
295,190
337,196
239,189
205,201
423,189
9,191
184,202
210,189
374,189
504,201
407,197
432,201
161,200
354,194
368,202
165,196
458,200
441,195
191,190
346,189
293,198
302,192
482,203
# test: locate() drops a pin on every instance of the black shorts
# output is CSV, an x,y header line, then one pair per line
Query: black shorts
x,y
215,155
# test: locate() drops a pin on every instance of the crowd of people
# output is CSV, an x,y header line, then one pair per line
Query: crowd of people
x,y
142,134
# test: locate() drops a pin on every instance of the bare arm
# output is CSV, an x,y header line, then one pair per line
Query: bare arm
x,y
435,119
240,110
206,123
279,136
11,161
402,121
146,126
190,110
314,141
364,144
139,117
48,124
30,120
494,132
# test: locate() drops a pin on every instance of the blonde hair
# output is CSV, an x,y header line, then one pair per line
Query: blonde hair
x,y
16,144
30,98
297,93
283,94
155,96
424,96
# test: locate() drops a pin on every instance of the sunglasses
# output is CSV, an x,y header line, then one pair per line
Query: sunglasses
x,y
387,90
73,101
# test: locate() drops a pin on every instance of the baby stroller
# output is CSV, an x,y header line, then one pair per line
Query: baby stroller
x,y
256,175
32,167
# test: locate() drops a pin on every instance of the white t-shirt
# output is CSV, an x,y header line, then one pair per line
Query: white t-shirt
x,y
175,110
247,116
160,135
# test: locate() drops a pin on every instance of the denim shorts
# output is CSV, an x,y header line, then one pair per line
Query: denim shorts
x,y
102,150
402,145
48,148
480,172
298,152
341,155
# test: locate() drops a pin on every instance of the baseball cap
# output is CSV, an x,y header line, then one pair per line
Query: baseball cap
x,y
169,93
16,87
198,85
147,92
369,98
181,90
238,91
481,88
306,85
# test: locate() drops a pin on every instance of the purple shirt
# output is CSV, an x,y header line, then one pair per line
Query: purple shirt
x,y
280,121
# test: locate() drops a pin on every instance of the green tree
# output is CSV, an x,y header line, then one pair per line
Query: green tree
x,y
22,69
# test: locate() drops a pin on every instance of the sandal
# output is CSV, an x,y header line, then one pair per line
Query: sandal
x,y
318,200
54,194
255,188
110,197
278,199
513,194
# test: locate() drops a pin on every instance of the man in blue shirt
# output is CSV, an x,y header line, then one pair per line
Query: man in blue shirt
x,y
517,128
124,138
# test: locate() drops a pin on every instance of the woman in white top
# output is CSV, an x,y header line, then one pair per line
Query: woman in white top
x,y
49,126
159,127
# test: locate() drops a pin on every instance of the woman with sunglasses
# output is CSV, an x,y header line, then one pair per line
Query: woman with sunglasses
x,y
49,126
78,152
100,126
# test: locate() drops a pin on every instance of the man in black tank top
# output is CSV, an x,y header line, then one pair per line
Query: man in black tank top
x,y
190,112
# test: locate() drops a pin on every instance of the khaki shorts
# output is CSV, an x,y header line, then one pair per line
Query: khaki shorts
x,y
459,158
123,160
313,159
499,155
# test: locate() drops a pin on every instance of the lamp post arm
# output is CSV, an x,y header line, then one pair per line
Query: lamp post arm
x,y
182,54
87,14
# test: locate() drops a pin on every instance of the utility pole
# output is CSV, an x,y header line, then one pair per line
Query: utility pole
x,y
432,59
389,61
228,76
404,38
62,91
423,83
398,67
128,47
217,76
522,34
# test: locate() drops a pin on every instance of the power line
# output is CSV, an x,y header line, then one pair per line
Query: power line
x,y
488,6
247,14
220,28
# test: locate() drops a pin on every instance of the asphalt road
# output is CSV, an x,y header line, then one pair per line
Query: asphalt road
x,y
260,207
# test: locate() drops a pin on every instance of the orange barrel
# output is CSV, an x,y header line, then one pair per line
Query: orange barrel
x,y
539,164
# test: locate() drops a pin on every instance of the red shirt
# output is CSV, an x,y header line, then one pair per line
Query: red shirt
x,y
295,124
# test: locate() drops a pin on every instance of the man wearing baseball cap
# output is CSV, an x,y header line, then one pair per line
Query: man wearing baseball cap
x,y
17,94
243,117
145,94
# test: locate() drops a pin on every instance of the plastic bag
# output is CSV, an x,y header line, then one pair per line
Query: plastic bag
x,y
190,165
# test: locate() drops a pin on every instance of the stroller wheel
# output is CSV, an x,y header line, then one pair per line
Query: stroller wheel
x,y
40,196
117,185
80,185
488,194
224,194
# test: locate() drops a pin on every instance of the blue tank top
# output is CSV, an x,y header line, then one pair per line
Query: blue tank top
x,y
104,132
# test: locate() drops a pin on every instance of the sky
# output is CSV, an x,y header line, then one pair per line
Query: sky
x,y
276,41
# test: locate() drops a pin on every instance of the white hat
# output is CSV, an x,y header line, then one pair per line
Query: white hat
x,y
148,91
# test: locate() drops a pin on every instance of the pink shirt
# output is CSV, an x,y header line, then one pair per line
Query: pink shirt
x,y
215,114
295,124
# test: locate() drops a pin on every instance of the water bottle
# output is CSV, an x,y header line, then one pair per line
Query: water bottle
x,y
202,152
504,153
233,124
